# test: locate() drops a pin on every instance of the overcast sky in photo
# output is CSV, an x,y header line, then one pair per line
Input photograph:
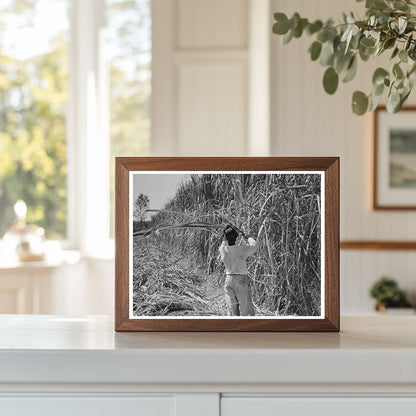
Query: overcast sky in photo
x,y
158,187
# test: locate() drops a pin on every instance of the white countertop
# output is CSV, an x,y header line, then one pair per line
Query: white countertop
x,y
53,349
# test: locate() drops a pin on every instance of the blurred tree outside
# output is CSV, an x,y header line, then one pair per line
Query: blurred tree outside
x,y
129,51
33,99
34,68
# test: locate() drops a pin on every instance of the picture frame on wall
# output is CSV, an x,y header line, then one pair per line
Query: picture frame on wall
x,y
394,159
227,244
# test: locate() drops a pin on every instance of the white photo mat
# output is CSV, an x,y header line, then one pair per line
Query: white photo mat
x,y
322,239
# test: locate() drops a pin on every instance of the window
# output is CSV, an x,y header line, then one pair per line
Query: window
x,y
129,43
33,97
75,87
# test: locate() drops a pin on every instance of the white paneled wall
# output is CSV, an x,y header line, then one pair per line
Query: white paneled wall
x,y
224,85
212,104
203,67
308,122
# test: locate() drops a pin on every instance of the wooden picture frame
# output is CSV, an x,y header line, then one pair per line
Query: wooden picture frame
x,y
318,170
394,184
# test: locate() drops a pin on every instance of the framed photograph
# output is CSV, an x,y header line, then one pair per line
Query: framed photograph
x,y
394,179
227,244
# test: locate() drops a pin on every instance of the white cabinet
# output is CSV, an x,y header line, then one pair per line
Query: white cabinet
x,y
52,365
269,406
38,287
87,406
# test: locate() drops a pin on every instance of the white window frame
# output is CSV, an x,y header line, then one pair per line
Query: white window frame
x,y
88,138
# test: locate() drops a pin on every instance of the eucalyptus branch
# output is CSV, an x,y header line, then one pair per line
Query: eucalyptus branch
x,y
388,25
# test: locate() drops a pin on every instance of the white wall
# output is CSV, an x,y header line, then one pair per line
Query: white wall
x,y
308,122
208,73
200,77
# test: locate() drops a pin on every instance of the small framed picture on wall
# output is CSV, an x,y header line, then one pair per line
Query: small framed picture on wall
x,y
227,244
394,150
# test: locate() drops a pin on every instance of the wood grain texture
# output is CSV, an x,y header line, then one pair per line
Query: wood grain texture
x,y
332,225
329,165
121,244
378,245
376,205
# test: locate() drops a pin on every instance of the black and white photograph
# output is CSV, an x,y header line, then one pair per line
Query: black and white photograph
x,y
226,244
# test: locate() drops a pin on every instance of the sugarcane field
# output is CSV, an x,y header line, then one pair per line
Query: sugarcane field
x,y
226,244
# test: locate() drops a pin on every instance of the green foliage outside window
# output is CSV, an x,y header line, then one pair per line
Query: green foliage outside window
x,y
34,103
33,99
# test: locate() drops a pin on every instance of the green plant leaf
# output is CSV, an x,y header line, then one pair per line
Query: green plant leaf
x,y
393,101
400,5
389,43
402,22
298,30
322,36
281,27
351,71
397,71
365,51
404,96
376,4
408,42
374,102
359,103
315,50
327,53
395,52
330,80
314,27
403,56
379,75
367,42
288,37
341,61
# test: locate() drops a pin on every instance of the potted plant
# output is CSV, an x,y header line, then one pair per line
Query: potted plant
x,y
387,294
389,27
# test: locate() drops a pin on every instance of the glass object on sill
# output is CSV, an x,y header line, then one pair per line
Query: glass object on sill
x,y
25,241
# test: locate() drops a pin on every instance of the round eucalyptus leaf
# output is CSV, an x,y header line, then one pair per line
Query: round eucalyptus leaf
x,y
315,50
403,96
322,36
351,71
367,42
327,53
403,56
341,61
366,53
374,102
378,89
397,71
330,80
395,52
389,43
393,101
379,75
294,20
288,37
359,103
314,27
281,27
298,30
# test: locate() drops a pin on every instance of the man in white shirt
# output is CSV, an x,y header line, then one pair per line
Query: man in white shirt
x,y
237,283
